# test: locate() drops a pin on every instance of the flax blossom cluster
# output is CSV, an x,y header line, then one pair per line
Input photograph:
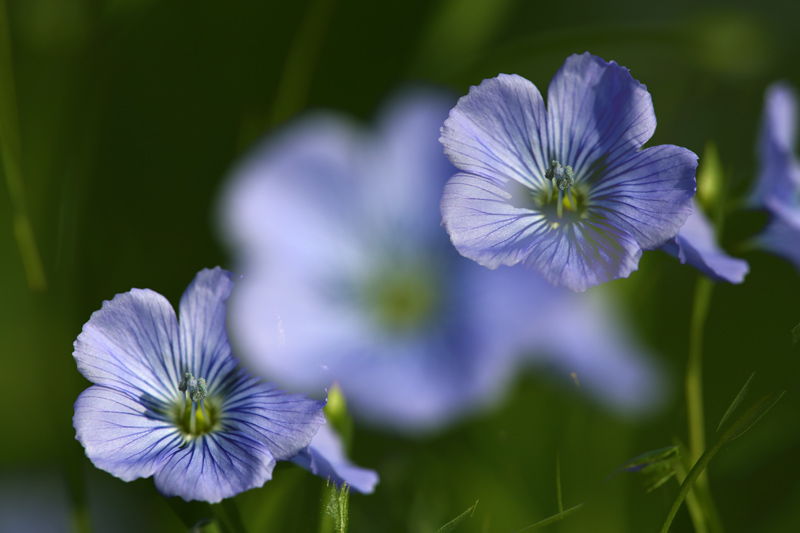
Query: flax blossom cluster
x,y
169,400
777,187
348,276
567,189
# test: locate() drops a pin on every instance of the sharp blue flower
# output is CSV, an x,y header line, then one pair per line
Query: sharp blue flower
x,y
350,277
695,244
777,188
568,189
169,400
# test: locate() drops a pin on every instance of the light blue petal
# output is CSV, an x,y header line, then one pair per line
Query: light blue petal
x,y
588,336
205,350
485,227
121,433
646,194
292,197
782,234
131,344
215,466
596,112
325,458
499,131
779,172
285,423
695,244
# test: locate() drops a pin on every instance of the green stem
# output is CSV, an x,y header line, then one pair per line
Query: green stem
x,y
694,369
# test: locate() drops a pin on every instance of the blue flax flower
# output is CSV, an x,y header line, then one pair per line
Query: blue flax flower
x,y
349,277
695,244
169,400
778,186
568,189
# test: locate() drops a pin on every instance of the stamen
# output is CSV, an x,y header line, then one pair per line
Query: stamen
x,y
194,390
562,178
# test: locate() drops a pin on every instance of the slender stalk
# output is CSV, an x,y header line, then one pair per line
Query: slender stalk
x,y
694,371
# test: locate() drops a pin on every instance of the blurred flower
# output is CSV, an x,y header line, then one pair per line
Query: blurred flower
x,y
566,190
695,244
778,186
349,277
325,457
170,401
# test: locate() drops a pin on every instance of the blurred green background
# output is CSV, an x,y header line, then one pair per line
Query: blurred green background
x,y
125,115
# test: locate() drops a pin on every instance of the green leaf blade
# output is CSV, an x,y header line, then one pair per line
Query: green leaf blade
x,y
736,401
457,521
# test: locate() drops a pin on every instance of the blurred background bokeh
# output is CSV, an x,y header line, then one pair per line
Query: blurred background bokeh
x,y
124,117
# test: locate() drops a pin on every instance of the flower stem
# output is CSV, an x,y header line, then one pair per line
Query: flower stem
x,y
694,403
694,369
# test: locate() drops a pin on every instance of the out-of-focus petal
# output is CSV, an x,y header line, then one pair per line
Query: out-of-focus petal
x,y
779,173
782,234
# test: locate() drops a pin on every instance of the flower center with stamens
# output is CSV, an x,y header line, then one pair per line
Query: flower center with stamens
x,y
195,414
563,201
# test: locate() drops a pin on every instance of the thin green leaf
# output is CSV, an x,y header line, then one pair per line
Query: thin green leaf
x,y
646,461
736,401
455,522
795,334
553,519
660,481
753,415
